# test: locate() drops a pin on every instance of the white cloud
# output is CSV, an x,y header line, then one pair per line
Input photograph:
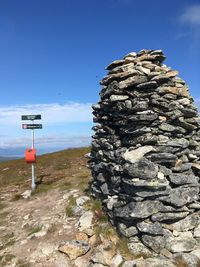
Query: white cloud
x,y
56,133
191,15
51,113
48,141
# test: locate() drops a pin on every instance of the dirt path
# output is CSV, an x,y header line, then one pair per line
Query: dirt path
x,y
31,229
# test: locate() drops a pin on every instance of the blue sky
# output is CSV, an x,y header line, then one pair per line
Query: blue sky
x,y
53,54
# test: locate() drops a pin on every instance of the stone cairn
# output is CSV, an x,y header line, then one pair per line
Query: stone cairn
x,y
145,155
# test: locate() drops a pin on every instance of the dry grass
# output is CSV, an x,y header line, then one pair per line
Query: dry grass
x,y
65,169
123,248
103,227
34,230
71,203
96,206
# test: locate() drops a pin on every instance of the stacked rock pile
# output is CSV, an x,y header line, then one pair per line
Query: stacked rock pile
x,y
145,154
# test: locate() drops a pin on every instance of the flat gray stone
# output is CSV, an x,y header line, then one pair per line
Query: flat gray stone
x,y
161,78
132,81
114,98
138,249
124,211
137,154
130,129
178,142
168,216
142,188
156,243
130,186
145,209
127,231
189,113
188,126
173,90
163,158
147,86
181,179
138,210
144,169
182,168
182,195
188,223
147,139
181,244
140,106
155,262
150,228
118,76
170,128
143,117
114,64
195,206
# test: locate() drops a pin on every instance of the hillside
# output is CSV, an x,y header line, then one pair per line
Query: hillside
x,y
60,225
50,169
2,159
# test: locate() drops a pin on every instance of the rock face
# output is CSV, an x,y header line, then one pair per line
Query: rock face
x,y
145,152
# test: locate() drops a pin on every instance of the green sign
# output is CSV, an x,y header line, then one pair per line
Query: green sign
x,y
32,126
31,117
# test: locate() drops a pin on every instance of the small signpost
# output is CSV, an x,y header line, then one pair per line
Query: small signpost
x,y
32,126
31,117
31,153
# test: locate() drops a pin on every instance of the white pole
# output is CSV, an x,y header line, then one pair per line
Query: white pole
x,y
33,136
33,178
33,167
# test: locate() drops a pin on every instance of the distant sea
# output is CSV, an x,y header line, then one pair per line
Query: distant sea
x,y
14,153
2,159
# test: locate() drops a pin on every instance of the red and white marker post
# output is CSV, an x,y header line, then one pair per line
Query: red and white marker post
x,y
30,153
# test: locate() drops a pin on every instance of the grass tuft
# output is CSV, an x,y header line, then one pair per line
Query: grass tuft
x,y
123,248
71,203
34,230
95,206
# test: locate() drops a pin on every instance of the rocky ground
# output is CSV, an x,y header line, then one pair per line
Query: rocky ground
x,y
55,228
61,225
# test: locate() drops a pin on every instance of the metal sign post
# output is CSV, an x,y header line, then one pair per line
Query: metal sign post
x,y
33,166
32,127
